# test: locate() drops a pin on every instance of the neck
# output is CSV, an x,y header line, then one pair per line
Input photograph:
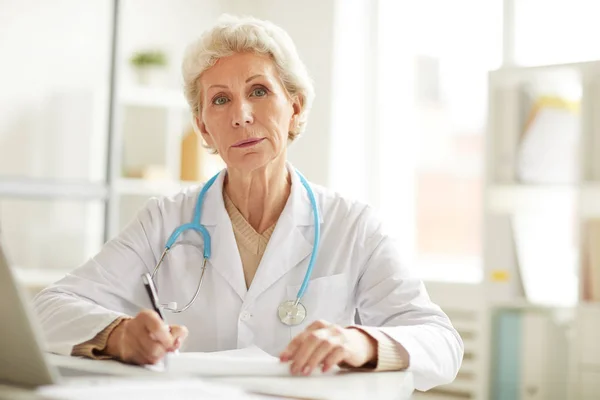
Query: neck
x,y
259,195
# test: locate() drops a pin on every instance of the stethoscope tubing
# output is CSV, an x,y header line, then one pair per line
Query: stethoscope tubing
x,y
196,226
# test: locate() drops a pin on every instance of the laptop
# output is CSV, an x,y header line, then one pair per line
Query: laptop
x,y
23,361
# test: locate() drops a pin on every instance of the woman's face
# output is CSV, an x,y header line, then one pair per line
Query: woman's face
x,y
246,113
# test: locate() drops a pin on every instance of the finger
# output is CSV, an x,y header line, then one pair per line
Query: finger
x,y
151,351
176,345
311,341
334,358
319,354
318,324
292,347
139,355
137,352
155,326
147,349
179,332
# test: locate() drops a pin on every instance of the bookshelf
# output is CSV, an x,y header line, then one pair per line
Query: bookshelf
x,y
523,211
152,123
133,152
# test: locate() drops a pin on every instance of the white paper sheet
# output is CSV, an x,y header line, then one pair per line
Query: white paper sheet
x,y
250,361
247,352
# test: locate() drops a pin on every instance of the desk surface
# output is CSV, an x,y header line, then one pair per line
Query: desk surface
x,y
343,385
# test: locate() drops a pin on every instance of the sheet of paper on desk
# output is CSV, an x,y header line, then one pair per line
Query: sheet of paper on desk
x,y
250,361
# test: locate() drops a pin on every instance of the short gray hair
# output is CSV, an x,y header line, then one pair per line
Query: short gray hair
x,y
232,35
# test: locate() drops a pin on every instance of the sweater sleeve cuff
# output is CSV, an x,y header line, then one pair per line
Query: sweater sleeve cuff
x,y
94,347
391,355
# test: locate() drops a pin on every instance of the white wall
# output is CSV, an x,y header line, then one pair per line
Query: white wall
x,y
54,57
167,25
54,77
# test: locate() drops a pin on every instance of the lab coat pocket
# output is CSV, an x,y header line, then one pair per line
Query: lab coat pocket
x,y
326,298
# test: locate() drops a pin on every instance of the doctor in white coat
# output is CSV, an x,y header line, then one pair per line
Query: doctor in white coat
x,y
250,95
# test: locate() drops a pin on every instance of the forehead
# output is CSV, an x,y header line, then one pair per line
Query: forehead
x,y
238,66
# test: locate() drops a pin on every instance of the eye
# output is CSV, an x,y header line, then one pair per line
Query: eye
x,y
259,92
219,101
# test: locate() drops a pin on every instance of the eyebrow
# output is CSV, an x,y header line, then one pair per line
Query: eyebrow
x,y
254,77
217,86
247,80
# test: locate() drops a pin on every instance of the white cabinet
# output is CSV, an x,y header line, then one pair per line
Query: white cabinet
x,y
586,353
588,334
590,385
536,223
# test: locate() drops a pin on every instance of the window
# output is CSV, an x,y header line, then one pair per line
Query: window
x,y
555,32
434,64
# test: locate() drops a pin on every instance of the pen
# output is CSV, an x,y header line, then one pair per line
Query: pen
x,y
153,295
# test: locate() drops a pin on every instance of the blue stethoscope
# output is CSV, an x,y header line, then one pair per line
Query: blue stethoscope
x,y
290,312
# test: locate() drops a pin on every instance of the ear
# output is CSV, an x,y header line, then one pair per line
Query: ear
x,y
200,128
296,108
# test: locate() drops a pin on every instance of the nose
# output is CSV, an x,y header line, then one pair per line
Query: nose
x,y
242,115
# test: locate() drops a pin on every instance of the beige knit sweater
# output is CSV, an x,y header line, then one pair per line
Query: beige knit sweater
x,y
252,245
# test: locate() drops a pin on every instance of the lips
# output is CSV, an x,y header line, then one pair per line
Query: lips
x,y
248,142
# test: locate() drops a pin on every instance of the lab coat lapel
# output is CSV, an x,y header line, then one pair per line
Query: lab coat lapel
x,y
225,256
288,245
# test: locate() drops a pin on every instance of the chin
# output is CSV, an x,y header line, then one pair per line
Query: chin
x,y
251,161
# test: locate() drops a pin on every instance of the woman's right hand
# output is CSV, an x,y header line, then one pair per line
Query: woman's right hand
x,y
144,339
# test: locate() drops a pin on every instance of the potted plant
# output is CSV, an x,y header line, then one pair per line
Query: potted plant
x,y
148,64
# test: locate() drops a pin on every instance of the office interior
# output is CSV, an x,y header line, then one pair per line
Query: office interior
x,y
471,126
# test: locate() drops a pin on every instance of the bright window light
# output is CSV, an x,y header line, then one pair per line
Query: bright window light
x,y
433,89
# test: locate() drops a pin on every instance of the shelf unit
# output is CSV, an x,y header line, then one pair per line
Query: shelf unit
x,y
152,123
153,97
146,187
508,199
146,125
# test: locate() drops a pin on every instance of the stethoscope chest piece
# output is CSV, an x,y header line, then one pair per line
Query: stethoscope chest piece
x,y
291,312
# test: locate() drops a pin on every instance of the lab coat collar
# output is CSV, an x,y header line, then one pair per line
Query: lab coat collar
x,y
291,242
287,247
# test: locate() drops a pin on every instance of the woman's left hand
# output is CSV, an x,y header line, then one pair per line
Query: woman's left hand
x,y
328,344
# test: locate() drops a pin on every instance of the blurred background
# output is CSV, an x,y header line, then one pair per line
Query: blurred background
x,y
472,126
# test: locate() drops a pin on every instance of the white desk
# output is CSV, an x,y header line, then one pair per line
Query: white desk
x,y
151,385
372,386
344,385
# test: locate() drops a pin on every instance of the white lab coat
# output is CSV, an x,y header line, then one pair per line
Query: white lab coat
x,y
357,268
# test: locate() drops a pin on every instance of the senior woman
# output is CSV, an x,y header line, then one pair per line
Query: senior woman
x,y
250,96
